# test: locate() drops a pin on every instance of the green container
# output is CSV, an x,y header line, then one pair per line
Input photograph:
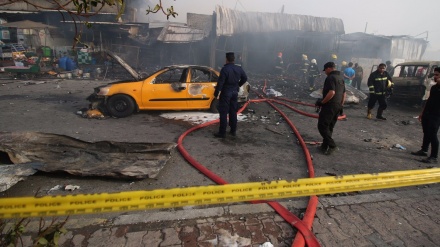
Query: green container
x,y
47,52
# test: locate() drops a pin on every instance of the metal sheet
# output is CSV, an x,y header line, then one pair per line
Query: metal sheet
x,y
179,34
231,22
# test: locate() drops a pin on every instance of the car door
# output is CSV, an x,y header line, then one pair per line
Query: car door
x,y
201,87
166,90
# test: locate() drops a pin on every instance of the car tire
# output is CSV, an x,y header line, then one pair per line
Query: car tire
x,y
213,107
120,106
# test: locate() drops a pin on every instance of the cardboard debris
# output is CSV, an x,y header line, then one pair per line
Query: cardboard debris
x,y
105,158
12,174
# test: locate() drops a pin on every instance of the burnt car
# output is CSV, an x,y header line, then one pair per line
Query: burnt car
x,y
413,80
175,87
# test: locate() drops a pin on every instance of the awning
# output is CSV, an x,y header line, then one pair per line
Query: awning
x,y
27,25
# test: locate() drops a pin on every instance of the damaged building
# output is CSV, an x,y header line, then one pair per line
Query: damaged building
x,y
255,37
370,50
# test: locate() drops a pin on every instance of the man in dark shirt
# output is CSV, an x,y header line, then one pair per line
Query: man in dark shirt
x,y
331,105
359,74
231,78
430,118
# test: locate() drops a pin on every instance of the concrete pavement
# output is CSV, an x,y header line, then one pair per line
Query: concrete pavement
x,y
406,217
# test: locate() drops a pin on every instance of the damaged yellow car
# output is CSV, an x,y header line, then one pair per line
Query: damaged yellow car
x,y
176,87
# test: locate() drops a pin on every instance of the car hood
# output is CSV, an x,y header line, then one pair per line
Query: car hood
x,y
121,61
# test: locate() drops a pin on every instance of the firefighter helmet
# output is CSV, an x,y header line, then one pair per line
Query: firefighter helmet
x,y
313,61
390,84
304,56
334,56
344,63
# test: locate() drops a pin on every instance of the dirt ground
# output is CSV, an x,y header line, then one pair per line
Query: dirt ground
x,y
265,148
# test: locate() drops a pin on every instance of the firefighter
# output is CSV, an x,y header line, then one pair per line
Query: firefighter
x,y
313,72
279,63
343,66
379,84
304,67
334,59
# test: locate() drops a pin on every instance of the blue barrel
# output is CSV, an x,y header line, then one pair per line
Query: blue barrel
x,y
62,63
70,64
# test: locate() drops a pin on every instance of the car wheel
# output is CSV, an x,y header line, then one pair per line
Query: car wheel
x,y
120,106
213,107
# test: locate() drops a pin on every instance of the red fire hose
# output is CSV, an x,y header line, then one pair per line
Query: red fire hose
x,y
304,236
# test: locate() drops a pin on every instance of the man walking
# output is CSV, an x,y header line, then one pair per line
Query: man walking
x,y
333,94
232,77
378,83
430,118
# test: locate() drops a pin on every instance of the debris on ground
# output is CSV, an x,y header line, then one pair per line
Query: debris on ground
x,y
398,146
354,96
56,187
104,158
70,187
91,113
12,174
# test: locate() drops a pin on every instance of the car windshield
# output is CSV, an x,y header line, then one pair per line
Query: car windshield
x,y
410,71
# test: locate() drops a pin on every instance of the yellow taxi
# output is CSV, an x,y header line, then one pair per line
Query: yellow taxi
x,y
176,87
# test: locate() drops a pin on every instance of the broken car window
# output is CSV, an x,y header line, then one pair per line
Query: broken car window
x,y
200,75
171,75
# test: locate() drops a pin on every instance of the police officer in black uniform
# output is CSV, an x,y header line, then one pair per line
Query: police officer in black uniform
x,y
331,105
232,77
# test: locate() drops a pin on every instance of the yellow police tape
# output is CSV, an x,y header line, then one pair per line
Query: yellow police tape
x,y
215,194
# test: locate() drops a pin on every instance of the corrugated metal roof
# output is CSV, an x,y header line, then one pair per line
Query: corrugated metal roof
x,y
232,22
179,34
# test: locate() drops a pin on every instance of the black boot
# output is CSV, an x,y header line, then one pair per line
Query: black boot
x,y
379,114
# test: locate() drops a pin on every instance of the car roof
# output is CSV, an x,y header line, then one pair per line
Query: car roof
x,y
419,63
184,66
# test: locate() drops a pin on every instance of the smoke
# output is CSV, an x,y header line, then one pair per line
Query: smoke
x,y
138,11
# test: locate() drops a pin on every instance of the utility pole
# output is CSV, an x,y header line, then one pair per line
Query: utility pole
x,y
366,24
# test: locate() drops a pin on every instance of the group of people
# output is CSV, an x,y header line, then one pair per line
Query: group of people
x,y
352,75
331,105
379,82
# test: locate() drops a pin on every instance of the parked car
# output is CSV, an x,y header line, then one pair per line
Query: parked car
x,y
413,80
175,87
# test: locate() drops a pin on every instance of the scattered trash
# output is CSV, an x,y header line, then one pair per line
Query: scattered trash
x,y
311,142
267,244
407,122
274,131
368,140
331,174
251,111
363,131
71,187
226,239
56,187
273,93
398,146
